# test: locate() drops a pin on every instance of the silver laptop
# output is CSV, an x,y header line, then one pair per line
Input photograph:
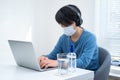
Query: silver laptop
x,y
24,54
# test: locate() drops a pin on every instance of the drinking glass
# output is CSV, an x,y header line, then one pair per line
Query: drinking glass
x,y
62,63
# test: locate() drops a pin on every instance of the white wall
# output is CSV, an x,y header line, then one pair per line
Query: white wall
x,y
46,31
101,21
16,17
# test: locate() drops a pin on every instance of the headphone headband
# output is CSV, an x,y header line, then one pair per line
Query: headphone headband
x,y
78,20
79,15
72,8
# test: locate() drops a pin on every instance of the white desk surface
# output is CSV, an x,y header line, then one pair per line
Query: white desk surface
x,y
14,72
115,71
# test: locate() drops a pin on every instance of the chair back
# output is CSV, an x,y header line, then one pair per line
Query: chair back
x,y
104,62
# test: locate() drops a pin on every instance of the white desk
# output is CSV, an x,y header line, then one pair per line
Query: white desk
x,y
13,72
115,72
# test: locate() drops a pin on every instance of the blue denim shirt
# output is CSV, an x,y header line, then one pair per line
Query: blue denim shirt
x,y
85,48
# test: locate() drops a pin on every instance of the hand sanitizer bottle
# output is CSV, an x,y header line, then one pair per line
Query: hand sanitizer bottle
x,y
72,59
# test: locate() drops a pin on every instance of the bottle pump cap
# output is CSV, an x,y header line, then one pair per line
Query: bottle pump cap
x,y
71,48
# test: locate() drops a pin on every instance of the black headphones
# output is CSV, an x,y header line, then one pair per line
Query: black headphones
x,y
78,14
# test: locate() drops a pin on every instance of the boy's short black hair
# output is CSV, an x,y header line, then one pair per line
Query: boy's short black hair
x,y
67,14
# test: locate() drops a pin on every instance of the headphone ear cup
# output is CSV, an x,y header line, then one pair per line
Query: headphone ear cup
x,y
81,20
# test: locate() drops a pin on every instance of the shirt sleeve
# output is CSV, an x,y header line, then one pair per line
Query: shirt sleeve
x,y
57,49
84,60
